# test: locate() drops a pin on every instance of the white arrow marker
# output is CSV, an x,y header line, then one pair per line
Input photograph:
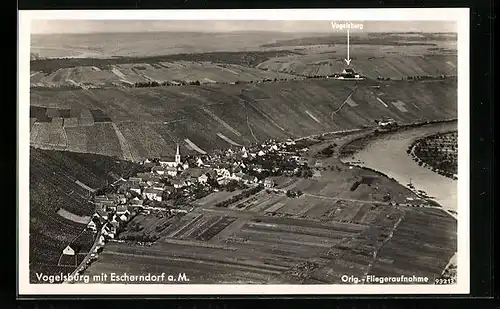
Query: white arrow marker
x,y
348,60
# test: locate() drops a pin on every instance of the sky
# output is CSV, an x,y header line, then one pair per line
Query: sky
x,y
100,26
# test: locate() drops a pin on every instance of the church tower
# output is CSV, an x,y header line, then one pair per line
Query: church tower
x,y
177,156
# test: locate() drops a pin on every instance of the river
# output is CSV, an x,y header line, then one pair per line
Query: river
x,y
387,154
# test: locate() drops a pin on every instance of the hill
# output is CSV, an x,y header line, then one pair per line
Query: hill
x,y
136,123
61,184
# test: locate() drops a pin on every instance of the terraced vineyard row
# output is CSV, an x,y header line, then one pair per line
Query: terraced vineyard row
x,y
153,120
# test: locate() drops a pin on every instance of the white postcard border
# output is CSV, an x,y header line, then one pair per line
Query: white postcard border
x,y
459,15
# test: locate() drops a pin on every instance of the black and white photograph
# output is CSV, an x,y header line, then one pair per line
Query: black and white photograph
x,y
244,152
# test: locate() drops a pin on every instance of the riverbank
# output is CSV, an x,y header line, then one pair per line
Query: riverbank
x,y
387,154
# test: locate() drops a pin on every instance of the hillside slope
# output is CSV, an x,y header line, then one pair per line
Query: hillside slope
x,y
146,122
54,187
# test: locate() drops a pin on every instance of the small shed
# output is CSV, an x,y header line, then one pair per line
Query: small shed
x,y
68,251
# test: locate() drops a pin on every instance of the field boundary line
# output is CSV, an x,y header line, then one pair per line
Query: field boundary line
x,y
125,147
379,247
345,101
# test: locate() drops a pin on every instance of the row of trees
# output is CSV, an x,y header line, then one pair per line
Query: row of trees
x,y
198,83
141,237
425,77
293,194
240,196
428,153
165,83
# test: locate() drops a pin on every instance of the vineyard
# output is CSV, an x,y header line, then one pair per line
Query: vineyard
x,y
54,192
152,120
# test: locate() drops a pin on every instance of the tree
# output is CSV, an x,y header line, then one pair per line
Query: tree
x,y
232,185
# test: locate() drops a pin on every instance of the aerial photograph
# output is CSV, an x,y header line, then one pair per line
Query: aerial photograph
x,y
243,152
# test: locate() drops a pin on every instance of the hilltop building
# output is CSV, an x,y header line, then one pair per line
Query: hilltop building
x,y
348,73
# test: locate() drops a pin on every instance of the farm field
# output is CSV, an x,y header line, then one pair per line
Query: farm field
x,y
152,120
387,66
259,56
59,206
150,44
125,75
327,232
229,246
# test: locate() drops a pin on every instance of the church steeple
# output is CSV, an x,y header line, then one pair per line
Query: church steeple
x,y
177,155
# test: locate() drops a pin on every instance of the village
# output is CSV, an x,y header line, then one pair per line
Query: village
x,y
170,185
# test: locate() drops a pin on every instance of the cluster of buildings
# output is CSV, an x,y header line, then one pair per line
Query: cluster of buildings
x,y
167,179
348,74
387,125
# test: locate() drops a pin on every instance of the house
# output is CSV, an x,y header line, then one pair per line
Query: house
x,y
302,161
223,180
100,198
114,222
144,176
203,178
169,188
153,194
199,162
68,251
223,172
107,232
348,71
136,189
116,198
171,171
178,183
194,175
135,179
124,217
119,183
111,208
247,179
150,178
168,162
122,199
148,165
107,204
261,153
387,122
136,201
124,187
102,212
121,209
237,176
160,170
158,186
268,183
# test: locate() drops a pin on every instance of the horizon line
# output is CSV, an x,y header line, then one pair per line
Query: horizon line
x,y
247,31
